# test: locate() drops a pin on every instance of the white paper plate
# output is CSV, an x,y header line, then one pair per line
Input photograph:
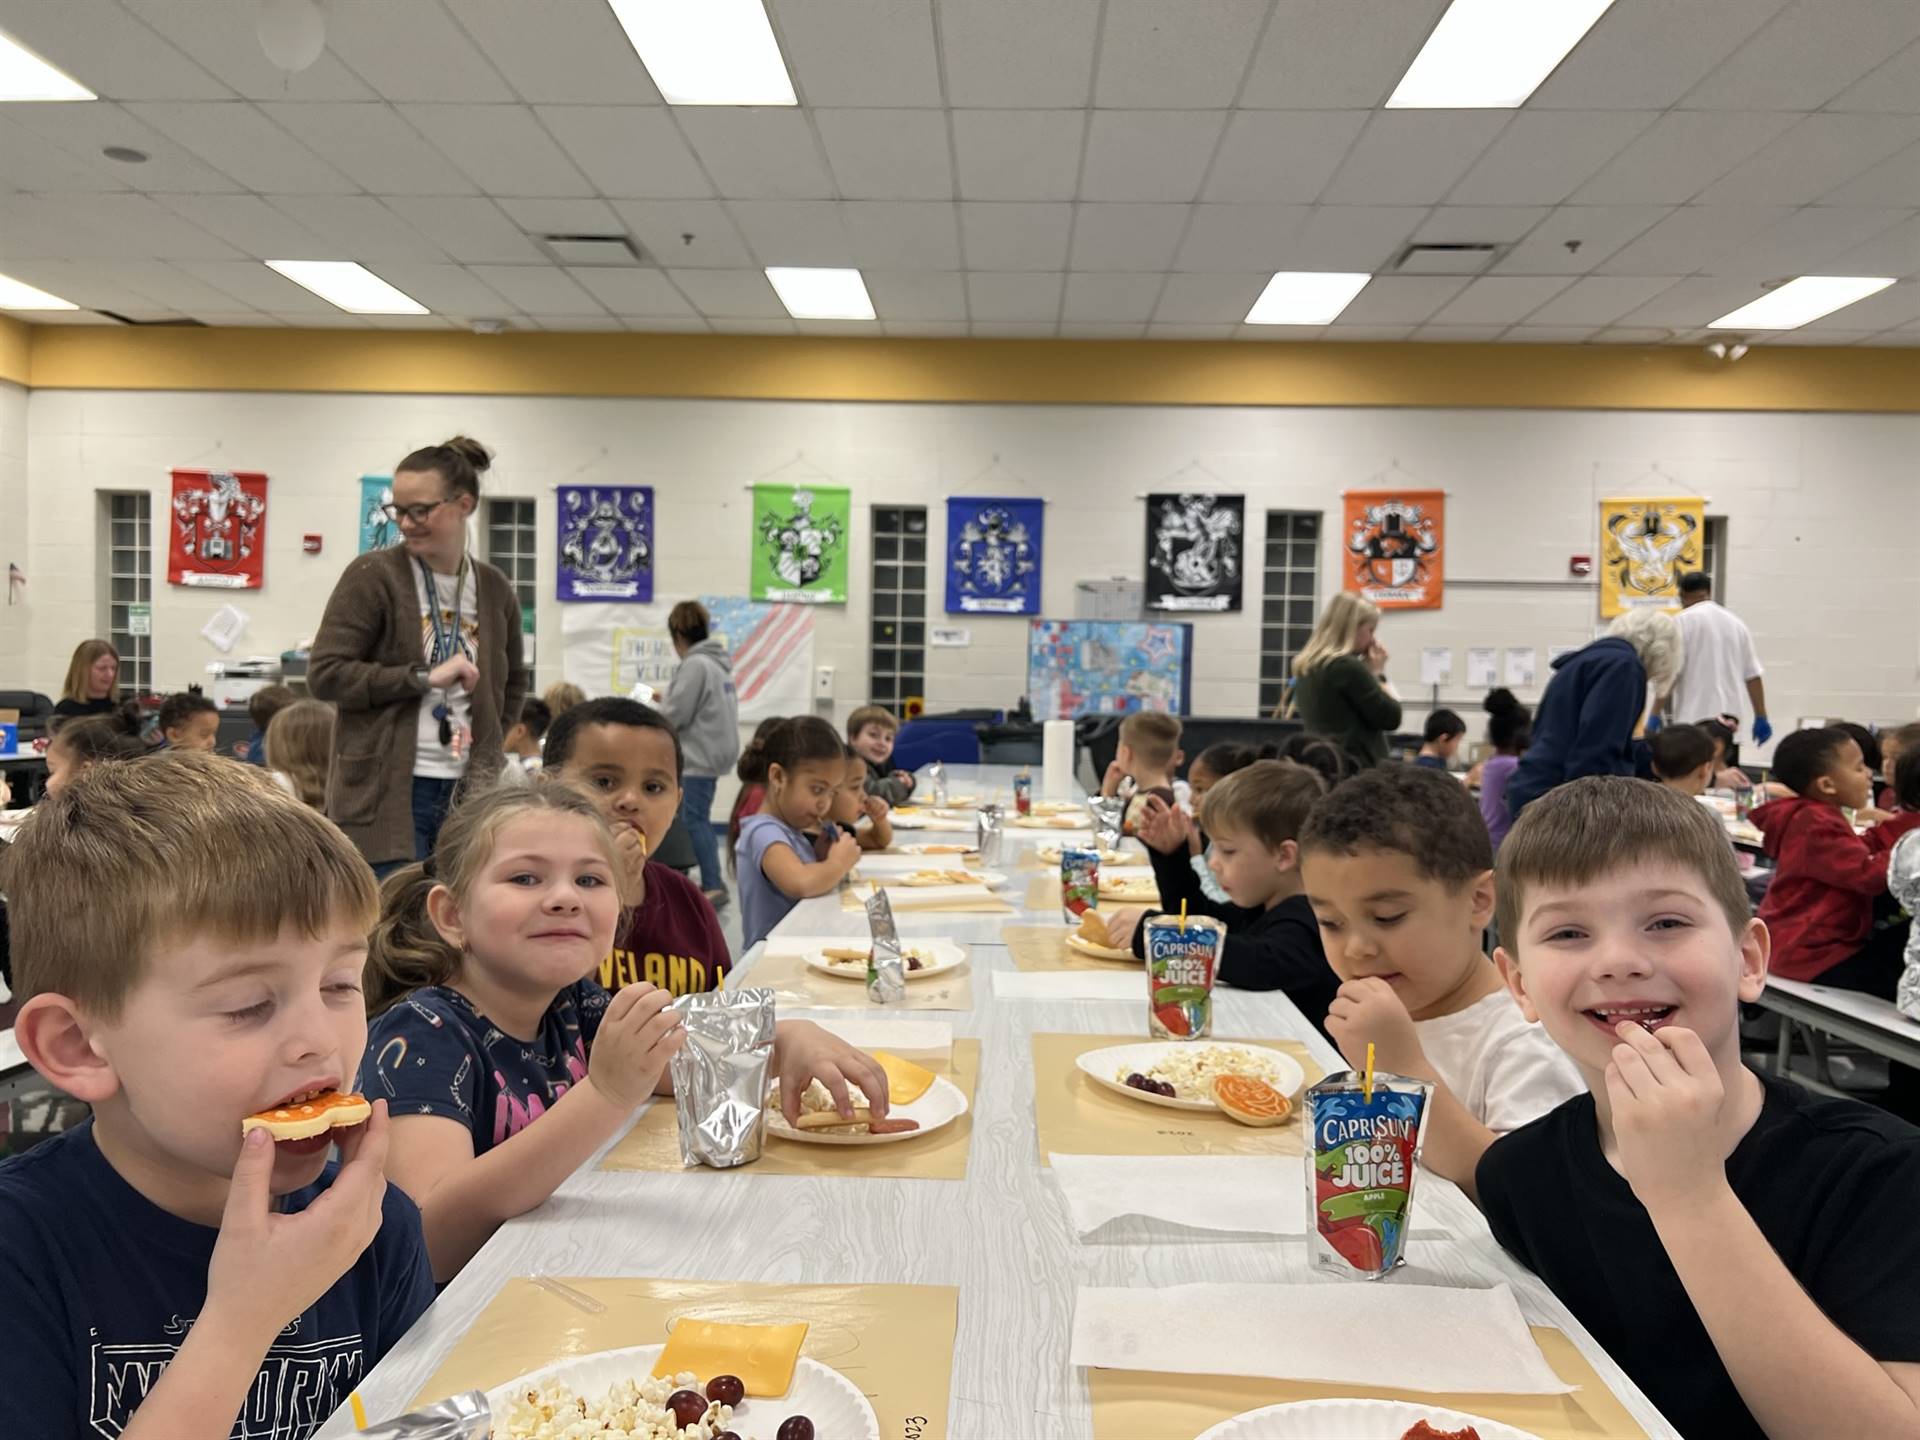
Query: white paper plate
x,y
943,955
988,878
825,1396
1102,1066
944,1103
1352,1420
1102,952
1050,855
1051,822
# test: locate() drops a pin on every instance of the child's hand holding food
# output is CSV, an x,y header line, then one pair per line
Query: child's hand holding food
x,y
804,1052
1368,1010
637,1037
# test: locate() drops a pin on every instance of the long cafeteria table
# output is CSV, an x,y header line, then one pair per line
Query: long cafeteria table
x,y
1000,1235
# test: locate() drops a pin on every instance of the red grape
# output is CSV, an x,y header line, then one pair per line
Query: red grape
x,y
726,1390
689,1407
798,1428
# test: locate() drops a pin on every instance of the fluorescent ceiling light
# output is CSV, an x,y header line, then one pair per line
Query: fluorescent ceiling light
x,y
708,52
352,287
1492,54
25,76
18,295
1306,297
1798,301
811,294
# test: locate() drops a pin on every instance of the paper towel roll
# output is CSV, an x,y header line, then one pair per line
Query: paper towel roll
x,y
1056,768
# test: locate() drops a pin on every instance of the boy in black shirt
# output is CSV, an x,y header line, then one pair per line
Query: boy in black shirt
x,y
1745,1250
190,950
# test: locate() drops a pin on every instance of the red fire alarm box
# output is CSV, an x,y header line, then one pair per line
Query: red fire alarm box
x,y
1580,565
310,544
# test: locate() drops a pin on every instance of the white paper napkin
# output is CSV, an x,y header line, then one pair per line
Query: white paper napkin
x,y
1069,985
918,1038
1114,873
875,862
1257,1194
923,897
1335,1332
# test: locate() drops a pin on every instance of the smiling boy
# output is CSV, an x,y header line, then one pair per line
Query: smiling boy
x,y
162,1276
1744,1249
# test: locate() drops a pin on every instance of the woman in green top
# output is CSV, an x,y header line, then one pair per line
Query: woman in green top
x,y
1339,689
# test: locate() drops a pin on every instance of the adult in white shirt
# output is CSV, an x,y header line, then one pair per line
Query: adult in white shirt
x,y
1720,663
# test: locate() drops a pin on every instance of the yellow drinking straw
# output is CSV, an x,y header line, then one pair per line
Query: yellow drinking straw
x,y
359,1411
1183,917
1369,1072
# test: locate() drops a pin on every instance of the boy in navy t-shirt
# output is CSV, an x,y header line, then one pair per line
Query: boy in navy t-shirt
x,y
190,950
1744,1249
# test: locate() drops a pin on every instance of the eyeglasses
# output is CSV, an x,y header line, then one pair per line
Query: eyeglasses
x,y
412,514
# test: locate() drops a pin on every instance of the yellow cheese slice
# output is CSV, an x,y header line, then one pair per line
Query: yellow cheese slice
x,y
763,1356
906,1081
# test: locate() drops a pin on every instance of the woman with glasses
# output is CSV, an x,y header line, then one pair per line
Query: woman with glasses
x,y
420,651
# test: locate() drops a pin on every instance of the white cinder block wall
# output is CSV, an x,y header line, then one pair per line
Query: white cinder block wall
x,y
1819,515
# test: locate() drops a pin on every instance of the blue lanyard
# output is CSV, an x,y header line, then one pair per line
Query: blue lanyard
x,y
446,640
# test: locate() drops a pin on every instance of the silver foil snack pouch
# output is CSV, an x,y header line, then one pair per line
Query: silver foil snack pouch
x,y
1109,820
458,1417
886,966
937,777
721,1075
1903,882
988,827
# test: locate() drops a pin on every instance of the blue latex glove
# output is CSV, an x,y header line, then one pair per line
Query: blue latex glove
x,y
1762,731
1653,724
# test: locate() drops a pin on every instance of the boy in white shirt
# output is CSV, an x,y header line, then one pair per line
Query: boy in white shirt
x,y
1399,871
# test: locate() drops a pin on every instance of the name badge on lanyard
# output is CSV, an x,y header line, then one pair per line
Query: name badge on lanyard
x,y
446,638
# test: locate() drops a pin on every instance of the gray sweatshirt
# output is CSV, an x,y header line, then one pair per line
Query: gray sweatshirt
x,y
702,707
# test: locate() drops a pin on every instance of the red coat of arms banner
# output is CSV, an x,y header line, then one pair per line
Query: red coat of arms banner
x,y
217,529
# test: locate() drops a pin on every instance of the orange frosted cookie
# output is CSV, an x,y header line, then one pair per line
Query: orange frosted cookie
x,y
310,1115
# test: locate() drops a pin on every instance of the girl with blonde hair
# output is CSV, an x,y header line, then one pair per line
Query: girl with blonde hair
x,y
1339,680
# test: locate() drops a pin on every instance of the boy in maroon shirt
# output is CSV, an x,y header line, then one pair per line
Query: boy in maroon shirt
x,y
628,758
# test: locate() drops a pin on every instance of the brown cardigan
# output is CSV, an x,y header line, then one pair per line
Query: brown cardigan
x,y
363,661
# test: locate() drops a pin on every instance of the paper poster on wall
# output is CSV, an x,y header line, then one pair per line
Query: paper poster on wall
x,y
1396,547
1646,545
608,648
377,528
606,542
1108,667
800,543
1483,667
1193,552
1520,665
218,535
993,556
1436,665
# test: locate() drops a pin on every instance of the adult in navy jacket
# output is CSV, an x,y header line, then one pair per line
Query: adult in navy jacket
x,y
1593,704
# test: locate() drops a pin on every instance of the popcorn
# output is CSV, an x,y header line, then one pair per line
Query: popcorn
x,y
1190,1069
630,1410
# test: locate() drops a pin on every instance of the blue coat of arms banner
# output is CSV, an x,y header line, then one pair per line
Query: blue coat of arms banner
x,y
377,532
606,542
993,556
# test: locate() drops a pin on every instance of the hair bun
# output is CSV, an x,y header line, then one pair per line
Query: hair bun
x,y
472,451
1500,702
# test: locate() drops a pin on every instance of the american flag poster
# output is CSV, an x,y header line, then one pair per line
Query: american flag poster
x,y
610,649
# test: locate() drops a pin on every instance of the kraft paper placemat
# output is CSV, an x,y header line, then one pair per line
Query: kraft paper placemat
x,y
895,1342
1074,1116
794,982
1130,1404
1044,947
654,1143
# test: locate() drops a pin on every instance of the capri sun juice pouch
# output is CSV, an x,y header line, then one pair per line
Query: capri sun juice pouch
x,y
1360,1182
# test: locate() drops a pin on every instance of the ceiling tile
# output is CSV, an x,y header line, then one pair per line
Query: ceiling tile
x,y
1544,155
502,147
1130,330
757,154
1111,297
1547,334
1646,54
668,324
1895,252
89,317
1281,156
569,52
1014,329
1015,236
412,53
1018,154
887,154
1148,154
102,226
1126,237
1501,224
1018,297
1208,299
838,327
237,140
362,228
1894,181
28,162
254,285
1690,303
580,324
860,52
1895,306
1499,299
1690,239
409,322
93,284
1599,300
793,232
1003,54
538,289
84,130
1225,238
373,147
1807,242
687,233
1175,331
563,217
1628,335
186,294
1814,157
338,320
1372,334
1458,334
1813,50
932,329
1815,337
472,231
1895,86
767,326
444,289
917,294
632,291
1153,57
903,234
1596,231
1344,56
1401,299
730,294
251,225
110,52
223,37
628,151
1348,237
1679,155
1412,157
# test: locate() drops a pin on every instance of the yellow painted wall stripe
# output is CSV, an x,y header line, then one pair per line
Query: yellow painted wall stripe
x,y
1047,372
